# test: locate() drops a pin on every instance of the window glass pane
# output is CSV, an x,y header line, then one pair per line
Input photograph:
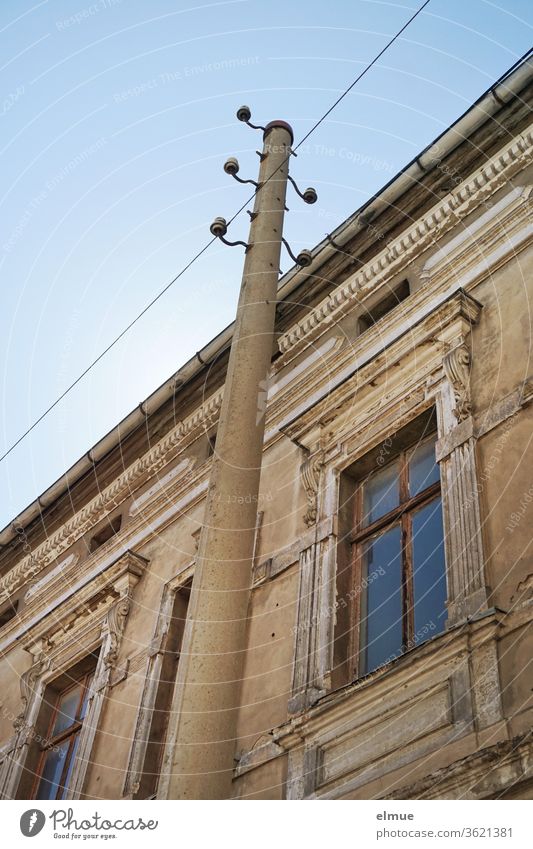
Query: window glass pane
x,y
381,613
423,469
53,768
86,697
429,571
70,764
67,709
381,493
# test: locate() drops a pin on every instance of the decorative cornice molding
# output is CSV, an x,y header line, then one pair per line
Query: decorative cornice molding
x,y
444,324
413,242
37,588
470,242
488,768
61,624
149,464
263,751
178,471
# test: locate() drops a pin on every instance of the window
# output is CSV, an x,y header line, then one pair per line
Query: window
x,y
59,746
384,306
163,700
398,557
8,612
211,442
391,577
109,530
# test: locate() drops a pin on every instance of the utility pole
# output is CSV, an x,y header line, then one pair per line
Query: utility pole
x,y
210,671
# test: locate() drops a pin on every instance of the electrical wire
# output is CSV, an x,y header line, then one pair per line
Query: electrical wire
x,y
208,244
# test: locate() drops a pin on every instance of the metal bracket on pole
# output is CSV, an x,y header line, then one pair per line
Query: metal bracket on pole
x,y
231,167
219,228
308,196
244,114
303,259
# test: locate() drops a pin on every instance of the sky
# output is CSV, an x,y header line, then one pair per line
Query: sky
x,y
116,119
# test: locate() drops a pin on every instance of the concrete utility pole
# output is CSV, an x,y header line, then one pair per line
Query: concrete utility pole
x,y
209,674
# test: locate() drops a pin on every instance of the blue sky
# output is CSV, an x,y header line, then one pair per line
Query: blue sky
x,y
117,117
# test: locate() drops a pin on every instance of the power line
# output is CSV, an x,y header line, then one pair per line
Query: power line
x,y
207,245
362,74
104,352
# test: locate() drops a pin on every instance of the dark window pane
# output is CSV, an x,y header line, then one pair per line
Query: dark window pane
x,y
86,697
70,764
381,614
67,710
423,469
429,571
381,493
53,768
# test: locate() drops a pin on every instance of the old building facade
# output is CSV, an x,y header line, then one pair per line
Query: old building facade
x,y
389,633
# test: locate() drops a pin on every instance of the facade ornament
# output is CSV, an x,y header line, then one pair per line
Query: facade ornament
x,y
410,244
524,591
310,473
457,364
138,472
196,537
115,624
28,681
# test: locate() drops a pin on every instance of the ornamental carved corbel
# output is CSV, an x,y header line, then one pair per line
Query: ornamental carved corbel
x,y
457,364
310,473
115,624
28,686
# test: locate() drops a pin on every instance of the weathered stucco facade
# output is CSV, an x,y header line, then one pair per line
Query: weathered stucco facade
x,y
414,319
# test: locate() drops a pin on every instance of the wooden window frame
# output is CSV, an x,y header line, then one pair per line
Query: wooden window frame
x,y
402,516
72,731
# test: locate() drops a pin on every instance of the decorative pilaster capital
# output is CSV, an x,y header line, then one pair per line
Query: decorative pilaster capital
x,y
457,364
310,474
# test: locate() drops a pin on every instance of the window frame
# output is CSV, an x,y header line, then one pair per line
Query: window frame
x,y
8,612
385,304
72,731
149,743
400,515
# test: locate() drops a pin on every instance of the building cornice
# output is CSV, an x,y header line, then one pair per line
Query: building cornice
x,y
413,242
441,323
463,779
155,459
366,352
